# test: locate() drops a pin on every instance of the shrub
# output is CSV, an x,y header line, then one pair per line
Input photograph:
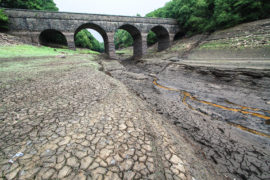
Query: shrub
x,y
3,21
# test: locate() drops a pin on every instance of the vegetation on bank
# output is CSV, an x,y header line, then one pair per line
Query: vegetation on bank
x,y
122,39
85,39
199,16
47,5
3,21
254,41
194,17
35,51
20,70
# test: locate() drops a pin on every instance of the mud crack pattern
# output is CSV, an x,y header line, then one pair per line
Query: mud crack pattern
x,y
82,124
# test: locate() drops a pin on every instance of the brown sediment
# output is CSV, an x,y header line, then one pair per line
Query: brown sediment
x,y
184,100
243,109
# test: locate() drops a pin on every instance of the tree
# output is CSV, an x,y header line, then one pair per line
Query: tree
x,y
151,38
85,39
30,4
3,21
122,39
197,16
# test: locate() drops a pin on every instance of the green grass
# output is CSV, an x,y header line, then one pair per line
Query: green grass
x,y
238,42
126,51
35,51
27,69
41,64
215,45
85,51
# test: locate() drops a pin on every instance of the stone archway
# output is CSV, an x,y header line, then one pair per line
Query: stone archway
x,y
100,30
53,38
163,37
138,48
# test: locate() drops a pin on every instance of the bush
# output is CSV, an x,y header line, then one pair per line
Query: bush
x,y
151,38
3,21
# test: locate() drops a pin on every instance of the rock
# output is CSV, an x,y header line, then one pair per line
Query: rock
x,y
174,59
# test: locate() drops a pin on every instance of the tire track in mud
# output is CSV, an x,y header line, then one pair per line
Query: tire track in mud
x,y
242,109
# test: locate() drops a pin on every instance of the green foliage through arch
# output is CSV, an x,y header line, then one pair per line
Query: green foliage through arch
x,y
85,39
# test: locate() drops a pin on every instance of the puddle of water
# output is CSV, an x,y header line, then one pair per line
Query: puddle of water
x,y
243,109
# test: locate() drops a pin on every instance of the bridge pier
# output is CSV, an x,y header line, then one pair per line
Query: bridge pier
x,y
144,43
171,39
70,40
109,45
140,46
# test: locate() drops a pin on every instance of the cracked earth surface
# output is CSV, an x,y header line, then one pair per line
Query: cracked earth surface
x,y
79,123
196,100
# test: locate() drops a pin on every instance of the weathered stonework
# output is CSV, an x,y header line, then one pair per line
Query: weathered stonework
x,y
29,24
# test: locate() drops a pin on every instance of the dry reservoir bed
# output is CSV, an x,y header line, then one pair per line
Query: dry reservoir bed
x,y
61,118
223,113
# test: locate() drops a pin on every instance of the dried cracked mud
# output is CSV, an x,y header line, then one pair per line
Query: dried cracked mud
x,y
222,113
72,121
79,123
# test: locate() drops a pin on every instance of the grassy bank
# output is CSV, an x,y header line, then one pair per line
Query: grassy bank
x,y
35,51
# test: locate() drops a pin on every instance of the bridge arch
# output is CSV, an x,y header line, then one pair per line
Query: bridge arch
x,y
178,35
53,38
163,37
137,39
97,28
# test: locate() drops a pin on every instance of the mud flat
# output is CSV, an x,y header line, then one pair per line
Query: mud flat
x,y
61,118
223,113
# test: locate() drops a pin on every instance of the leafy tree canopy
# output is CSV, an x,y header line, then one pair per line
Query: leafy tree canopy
x,y
197,16
122,39
30,4
3,21
85,39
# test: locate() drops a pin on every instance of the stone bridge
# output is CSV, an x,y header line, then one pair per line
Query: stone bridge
x,y
30,24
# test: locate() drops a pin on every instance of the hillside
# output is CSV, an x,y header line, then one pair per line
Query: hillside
x,y
245,45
